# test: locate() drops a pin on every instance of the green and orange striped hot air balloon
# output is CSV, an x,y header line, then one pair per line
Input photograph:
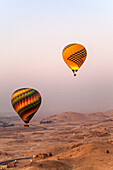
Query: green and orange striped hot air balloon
x,y
26,102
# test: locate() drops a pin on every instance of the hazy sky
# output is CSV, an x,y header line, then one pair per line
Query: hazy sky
x,y
33,34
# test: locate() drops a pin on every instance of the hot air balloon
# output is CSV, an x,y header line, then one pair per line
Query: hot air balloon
x,y
74,56
26,102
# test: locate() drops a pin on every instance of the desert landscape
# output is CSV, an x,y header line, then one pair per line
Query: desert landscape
x,y
73,141
56,85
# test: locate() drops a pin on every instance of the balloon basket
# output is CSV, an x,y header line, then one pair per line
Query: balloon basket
x,y
26,125
74,74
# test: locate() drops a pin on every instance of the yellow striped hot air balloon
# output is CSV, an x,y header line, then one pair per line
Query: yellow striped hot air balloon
x,y
74,56
26,102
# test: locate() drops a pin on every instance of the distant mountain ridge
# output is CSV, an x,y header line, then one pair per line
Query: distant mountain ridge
x,y
78,117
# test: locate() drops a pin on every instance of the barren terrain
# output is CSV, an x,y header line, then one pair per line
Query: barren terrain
x,y
77,142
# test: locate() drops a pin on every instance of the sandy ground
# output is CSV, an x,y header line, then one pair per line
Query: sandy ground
x,y
77,142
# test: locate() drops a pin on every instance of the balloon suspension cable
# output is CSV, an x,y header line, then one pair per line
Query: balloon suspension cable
x,y
74,72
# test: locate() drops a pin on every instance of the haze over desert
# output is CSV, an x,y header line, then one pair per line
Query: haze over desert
x,y
75,140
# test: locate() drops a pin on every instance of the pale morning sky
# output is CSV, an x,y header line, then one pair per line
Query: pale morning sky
x,y
33,34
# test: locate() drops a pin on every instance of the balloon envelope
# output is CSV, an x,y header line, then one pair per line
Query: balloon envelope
x,y
26,102
74,56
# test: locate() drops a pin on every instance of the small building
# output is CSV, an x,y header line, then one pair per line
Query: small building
x,y
42,155
4,166
11,164
35,156
49,154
